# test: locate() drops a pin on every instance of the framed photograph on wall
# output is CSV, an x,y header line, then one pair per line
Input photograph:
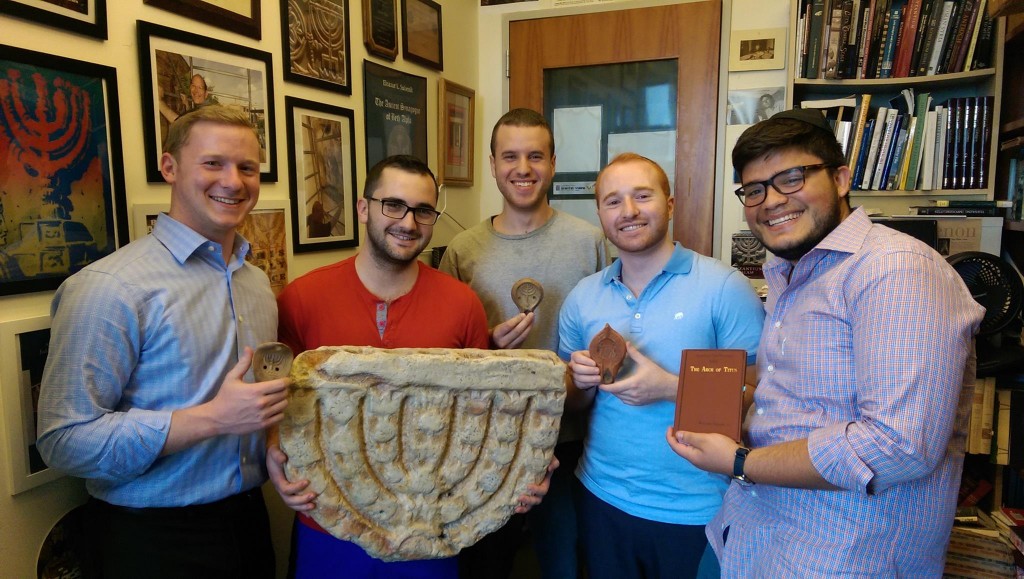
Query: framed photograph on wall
x,y
241,16
62,180
144,217
181,71
763,49
316,44
266,228
322,161
422,40
87,17
23,348
380,28
394,110
455,130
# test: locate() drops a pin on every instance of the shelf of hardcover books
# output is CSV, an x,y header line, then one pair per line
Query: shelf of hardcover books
x,y
911,88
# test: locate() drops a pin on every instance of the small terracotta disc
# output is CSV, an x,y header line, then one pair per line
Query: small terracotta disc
x,y
527,294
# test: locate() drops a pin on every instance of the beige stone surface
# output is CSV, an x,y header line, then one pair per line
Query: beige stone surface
x,y
418,453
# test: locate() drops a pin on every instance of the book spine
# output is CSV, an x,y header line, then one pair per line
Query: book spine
x,y
940,37
906,47
931,27
884,147
862,118
952,130
967,24
862,157
941,136
986,102
922,33
958,27
928,152
845,23
814,40
864,43
963,151
889,49
895,161
849,67
979,14
903,169
879,54
920,114
983,50
966,211
834,31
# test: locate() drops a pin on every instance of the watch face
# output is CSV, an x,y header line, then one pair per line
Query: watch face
x,y
743,481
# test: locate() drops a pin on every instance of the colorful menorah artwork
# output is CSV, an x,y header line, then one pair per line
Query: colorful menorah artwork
x,y
56,208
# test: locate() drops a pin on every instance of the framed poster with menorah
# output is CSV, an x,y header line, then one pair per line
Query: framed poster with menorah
x,y
62,192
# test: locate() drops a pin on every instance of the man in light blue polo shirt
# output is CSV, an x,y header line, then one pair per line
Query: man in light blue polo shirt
x,y
644,510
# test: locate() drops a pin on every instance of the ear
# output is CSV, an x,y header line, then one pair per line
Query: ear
x,y
168,167
553,158
362,209
842,179
494,173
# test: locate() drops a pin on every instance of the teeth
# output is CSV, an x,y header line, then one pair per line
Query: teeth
x,y
522,183
785,218
631,227
227,200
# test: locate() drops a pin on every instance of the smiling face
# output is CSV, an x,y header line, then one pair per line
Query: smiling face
x,y
791,225
397,242
523,166
634,208
215,179
197,89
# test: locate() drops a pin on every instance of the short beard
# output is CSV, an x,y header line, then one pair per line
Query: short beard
x,y
831,220
380,253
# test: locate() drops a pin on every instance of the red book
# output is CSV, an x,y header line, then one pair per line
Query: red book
x,y
908,37
710,394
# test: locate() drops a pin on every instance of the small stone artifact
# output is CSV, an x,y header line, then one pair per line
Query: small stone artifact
x,y
270,361
418,453
526,294
608,349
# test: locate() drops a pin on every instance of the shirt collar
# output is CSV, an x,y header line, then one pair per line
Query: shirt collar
x,y
680,263
182,241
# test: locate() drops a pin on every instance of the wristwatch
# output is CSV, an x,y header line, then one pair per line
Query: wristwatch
x,y
737,467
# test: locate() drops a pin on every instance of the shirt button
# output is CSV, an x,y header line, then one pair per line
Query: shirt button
x,y
241,318
629,298
753,493
637,316
760,410
778,324
209,248
771,367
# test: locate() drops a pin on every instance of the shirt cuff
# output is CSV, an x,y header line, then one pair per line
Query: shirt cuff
x,y
145,433
836,460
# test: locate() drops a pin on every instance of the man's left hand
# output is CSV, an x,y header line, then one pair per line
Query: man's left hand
x,y
648,383
535,492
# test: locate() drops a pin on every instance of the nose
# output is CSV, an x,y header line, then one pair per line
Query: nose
x,y
522,165
408,221
772,197
231,178
629,206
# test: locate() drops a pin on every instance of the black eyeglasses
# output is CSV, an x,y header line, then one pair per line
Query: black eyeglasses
x,y
785,182
398,210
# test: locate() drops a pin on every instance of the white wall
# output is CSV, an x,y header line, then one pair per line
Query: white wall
x,y
25,519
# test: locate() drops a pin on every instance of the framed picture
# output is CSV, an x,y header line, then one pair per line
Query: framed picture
x,y
322,160
181,71
763,49
455,130
87,17
144,217
316,44
753,105
421,33
394,109
62,191
241,16
23,347
380,28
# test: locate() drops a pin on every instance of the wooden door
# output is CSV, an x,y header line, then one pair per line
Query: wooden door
x,y
689,33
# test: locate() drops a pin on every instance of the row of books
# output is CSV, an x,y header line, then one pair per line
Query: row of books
x,y
857,39
985,543
963,208
910,144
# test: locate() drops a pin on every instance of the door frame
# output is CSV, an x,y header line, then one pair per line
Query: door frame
x,y
723,166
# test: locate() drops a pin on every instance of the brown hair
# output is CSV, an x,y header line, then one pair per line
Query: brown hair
x,y
178,134
522,118
406,163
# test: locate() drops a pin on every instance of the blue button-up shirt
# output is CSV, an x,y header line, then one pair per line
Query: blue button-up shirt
x,y
150,329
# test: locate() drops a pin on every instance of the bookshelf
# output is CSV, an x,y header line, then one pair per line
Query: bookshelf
x,y
984,82
1011,129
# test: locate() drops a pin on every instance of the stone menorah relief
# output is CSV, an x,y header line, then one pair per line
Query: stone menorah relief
x,y
419,453
608,349
527,294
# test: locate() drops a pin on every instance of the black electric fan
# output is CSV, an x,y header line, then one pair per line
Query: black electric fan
x,y
995,285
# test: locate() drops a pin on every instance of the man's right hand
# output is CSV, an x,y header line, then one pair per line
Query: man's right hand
x,y
294,494
512,332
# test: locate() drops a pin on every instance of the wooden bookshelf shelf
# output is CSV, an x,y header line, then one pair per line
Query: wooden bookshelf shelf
x,y
932,82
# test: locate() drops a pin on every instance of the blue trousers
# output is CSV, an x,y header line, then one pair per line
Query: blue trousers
x,y
617,545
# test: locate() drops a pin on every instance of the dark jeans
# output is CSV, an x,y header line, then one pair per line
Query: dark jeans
x,y
617,545
553,521
226,539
